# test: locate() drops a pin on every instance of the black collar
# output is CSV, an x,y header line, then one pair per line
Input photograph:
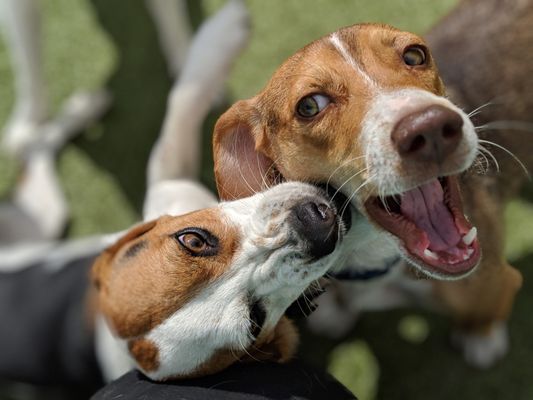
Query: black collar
x,y
365,274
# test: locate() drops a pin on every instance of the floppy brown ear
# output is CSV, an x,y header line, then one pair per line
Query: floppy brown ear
x,y
102,264
242,166
280,346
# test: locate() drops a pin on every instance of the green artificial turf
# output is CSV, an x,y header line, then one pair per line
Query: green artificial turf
x,y
88,44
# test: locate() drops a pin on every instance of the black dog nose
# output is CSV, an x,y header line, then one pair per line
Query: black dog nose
x,y
317,223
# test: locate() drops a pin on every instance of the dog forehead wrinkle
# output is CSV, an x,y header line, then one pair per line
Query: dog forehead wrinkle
x,y
335,39
135,249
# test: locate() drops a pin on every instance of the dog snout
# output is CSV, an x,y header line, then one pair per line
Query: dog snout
x,y
428,135
316,222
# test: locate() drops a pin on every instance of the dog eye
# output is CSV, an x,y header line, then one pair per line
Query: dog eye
x,y
414,55
192,242
311,105
197,242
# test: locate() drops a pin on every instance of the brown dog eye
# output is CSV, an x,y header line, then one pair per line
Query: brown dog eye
x,y
310,106
192,242
414,55
197,242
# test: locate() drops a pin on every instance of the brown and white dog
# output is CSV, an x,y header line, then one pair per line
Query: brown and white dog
x,y
364,110
189,295
198,287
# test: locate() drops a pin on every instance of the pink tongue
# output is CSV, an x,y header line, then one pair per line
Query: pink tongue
x,y
425,206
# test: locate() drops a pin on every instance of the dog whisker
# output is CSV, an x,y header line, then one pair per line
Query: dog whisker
x,y
520,163
340,166
513,125
481,168
348,201
479,109
484,151
348,180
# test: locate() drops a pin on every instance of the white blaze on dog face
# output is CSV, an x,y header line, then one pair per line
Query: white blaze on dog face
x,y
362,109
183,293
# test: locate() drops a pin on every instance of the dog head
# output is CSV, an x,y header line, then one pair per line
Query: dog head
x,y
190,295
362,109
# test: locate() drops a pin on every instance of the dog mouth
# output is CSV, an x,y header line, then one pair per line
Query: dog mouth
x,y
430,223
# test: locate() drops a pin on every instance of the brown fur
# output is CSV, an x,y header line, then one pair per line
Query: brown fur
x,y
138,293
137,290
277,345
311,150
497,66
145,353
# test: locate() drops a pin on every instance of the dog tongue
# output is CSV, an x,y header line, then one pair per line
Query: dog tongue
x,y
425,206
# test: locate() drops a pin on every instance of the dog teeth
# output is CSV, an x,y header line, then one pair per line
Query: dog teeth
x,y
468,254
429,254
469,238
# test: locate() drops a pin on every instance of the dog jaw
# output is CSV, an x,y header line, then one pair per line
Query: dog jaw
x,y
392,177
367,89
181,315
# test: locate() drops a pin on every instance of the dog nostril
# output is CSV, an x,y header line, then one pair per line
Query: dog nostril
x,y
317,225
417,144
311,213
451,130
428,135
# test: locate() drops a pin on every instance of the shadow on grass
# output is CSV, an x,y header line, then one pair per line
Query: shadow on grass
x,y
433,369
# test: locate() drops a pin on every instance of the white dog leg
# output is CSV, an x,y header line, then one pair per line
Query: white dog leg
x,y
482,351
174,31
175,158
20,20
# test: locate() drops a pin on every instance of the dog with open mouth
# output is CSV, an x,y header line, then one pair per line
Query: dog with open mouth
x,y
363,110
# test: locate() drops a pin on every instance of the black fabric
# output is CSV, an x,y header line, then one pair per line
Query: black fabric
x,y
45,337
250,381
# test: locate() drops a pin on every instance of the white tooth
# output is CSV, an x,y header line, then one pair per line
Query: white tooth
x,y
470,252
470,236
429,254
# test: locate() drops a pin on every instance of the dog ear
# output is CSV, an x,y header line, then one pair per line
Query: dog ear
x,y
241,166
280,346
102,264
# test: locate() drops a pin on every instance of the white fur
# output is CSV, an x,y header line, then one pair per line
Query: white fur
x,y
483,351
337,42
383,161
271,264
219,40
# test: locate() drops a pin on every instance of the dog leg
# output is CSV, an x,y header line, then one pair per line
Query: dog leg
x,y
482,303
172,23
20,20
176,153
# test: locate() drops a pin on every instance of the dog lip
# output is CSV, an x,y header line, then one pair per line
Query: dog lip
x,y
415,242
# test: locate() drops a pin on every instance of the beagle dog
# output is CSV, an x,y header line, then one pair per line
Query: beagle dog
x,y
364,110
186,296
196,288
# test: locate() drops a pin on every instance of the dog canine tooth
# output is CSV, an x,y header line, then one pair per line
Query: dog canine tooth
x,y
429,254
468,239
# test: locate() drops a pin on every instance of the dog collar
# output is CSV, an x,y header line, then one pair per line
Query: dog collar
x,y
366,274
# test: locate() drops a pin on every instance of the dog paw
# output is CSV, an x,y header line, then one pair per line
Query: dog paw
x,y
19,134
219,40
483,351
